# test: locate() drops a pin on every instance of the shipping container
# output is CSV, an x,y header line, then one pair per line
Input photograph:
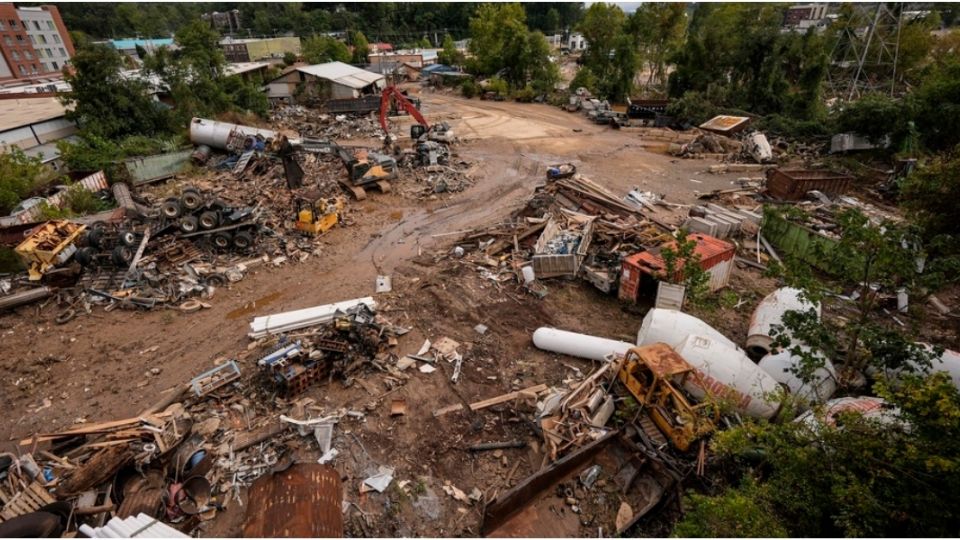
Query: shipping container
x,y
641,271
792,185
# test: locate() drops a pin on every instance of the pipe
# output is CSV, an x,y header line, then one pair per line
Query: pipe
x,y
769,313
579,345
780,366
727,374
216,134
672,327
24,297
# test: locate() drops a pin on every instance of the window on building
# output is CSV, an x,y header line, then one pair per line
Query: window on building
x,y
2,27
45,66
7,40
56,38
23,70
50,25
62,52
55,65
19,37
35,68
33,39
13,24
28,55
36,25
43,38
15,55
49,53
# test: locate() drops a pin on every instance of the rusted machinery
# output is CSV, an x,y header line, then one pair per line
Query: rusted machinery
x,y
50,245
654,375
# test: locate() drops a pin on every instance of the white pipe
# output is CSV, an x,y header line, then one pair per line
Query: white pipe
x,y
819,389
672,327
216,134
727,374
769,313
579,345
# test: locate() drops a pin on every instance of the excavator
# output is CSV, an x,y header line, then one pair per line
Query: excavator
x,y
393,99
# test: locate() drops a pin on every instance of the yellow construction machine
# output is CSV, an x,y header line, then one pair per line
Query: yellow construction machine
x,y
654,375
318,216
49,246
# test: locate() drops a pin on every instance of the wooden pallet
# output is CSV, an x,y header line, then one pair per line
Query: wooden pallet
x,y
27,501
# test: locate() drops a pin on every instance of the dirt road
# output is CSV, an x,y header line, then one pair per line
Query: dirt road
x,y
98,367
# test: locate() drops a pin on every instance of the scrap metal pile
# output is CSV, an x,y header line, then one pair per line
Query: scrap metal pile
x,y
185,458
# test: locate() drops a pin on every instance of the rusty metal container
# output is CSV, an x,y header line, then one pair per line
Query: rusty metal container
x,y
716,258
792,185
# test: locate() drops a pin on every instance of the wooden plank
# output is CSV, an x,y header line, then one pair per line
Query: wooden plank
x,y
510,396
94,429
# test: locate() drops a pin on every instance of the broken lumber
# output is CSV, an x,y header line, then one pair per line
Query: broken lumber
x,y
510,396
96,429
497,445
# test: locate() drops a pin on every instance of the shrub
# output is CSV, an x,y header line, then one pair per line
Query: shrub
x,y
469,88
525,94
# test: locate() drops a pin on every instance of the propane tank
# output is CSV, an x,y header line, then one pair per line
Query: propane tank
x,y
672,327
769,313
819,389
727,373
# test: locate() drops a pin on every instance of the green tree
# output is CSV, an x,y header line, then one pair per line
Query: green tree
x,y
611,54
449,55
289,58
501,41
875,116
936,105
20,174
745,511
857,477
361,48
682,266
659,28
932,197
424,43
551,22
584,79
322,49
103,102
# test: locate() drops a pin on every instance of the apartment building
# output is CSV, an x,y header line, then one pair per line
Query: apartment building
x,y
34,42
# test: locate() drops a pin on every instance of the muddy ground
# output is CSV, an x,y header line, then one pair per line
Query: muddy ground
x,y
97,367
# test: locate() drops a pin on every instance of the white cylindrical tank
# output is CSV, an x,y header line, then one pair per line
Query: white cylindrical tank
x,y
727,373
873,408
819,389
948,362
579,345
769,313
216,134
672,327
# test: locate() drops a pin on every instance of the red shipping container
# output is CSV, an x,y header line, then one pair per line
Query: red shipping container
x,y
716,257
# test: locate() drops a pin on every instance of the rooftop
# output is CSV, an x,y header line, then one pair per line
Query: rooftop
x,y
341,73
124,44
15,113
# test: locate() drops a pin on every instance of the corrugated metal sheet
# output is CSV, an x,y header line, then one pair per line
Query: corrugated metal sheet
x,y
300,502
344,74
144,170
95,182
669,296
725,124
795,239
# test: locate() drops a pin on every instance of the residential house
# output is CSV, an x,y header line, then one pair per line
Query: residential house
x,y
333,80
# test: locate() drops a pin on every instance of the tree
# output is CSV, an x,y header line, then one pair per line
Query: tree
x,y
449,55
551,22
612,53
875,116
103,102
20,174
361,48
932,197
584,79
659,29
857,477
424,43
289,58
682,266
501,42
936,105
322,49
866,258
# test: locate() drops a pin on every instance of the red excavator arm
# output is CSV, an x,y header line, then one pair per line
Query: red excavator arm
x,y
389,93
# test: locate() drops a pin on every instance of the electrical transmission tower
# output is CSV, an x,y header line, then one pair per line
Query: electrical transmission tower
x,y
866,51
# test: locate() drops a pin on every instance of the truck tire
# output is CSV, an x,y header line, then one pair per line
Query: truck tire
x,y
129,238
209,220
171,208
222,240
121,255
191,199
84,256
94,237
189,224
243,240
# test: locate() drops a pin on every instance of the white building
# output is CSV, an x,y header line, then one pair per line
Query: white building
x,y
333,80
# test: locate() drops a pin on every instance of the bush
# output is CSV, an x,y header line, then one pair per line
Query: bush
x,y
584,78
81,201
289,58
874,116
498,85
525,94
740,512
469,88
776,124
20,174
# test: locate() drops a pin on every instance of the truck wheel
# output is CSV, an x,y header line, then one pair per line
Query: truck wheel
x,y
189,224
209,220
84,256
191,199
94,236
243,240
121,255
171,208
222,240
129,238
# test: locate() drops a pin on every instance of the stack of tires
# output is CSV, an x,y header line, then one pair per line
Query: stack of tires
x,y
193,213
